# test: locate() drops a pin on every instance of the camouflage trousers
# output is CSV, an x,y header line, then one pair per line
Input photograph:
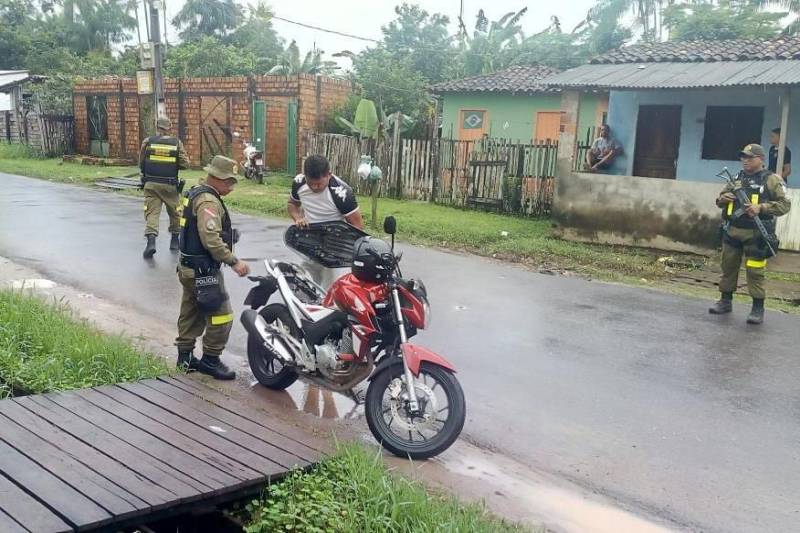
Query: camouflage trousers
x,y
192,322
739,243
156,194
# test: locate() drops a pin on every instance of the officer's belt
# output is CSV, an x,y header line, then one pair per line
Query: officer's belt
x,y
167,181
199,261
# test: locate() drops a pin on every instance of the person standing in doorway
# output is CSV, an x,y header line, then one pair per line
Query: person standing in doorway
x,y
319,196
775,141
160,159
767,194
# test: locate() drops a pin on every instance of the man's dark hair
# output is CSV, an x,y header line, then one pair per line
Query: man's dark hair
x,y
316,166
776,131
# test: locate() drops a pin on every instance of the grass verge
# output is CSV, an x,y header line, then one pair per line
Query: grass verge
x,y
523,240
45,347
352,491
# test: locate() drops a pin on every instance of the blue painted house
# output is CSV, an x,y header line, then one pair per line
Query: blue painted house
x,y
681,111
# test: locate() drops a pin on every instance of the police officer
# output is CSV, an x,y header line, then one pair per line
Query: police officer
x,y
207,240
160,158
767,193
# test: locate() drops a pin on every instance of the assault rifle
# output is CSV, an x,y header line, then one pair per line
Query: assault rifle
x,y
744,203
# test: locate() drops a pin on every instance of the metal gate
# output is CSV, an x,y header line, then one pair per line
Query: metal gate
x,y
259,122
97,113
291,137
215,127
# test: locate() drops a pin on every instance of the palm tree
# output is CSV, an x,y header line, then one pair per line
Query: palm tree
x,y
605,17
208,17
96,24
289,62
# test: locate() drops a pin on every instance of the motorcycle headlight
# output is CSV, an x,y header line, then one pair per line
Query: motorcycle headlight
x,y
427,309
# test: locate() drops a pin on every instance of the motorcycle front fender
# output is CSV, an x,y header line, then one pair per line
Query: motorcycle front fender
x,y
414,356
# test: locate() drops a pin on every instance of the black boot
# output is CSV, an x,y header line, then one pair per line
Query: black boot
x,y
174,243
723,305
756,315
150,249
213,366
186,360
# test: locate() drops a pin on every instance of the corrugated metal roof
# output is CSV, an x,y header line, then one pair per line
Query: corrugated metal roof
x,y
679,75
9,78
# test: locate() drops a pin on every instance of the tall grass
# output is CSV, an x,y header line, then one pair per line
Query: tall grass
x,y
352,491
45,347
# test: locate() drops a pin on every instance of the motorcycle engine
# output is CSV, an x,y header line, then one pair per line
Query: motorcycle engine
x,y
334,358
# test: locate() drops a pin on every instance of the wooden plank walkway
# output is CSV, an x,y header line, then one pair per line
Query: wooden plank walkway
x,y
122,455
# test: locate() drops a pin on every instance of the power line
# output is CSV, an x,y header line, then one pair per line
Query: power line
x,y
335,32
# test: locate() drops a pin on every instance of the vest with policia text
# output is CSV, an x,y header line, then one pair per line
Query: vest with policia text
x,y
161,160
193,253
755,187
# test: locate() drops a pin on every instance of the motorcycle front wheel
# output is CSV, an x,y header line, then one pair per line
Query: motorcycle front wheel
x,y
269,370
429,431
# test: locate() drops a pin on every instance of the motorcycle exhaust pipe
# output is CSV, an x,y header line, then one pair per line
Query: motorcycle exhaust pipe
x,y
255,325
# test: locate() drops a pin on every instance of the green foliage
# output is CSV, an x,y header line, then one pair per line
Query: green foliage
x,y
45,347
366,119
422,38
257,36
352,491
727,20
393,83
207,57
492,44
199,18
289,62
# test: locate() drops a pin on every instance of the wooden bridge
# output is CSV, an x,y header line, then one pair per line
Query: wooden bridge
x,y
119,456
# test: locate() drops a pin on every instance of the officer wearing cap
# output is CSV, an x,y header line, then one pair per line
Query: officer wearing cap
x,y
767,193
160,158
207,240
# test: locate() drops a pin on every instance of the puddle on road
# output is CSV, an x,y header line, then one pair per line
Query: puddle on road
x,y
311,399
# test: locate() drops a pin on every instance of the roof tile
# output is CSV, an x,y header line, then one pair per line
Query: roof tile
x,y
517,79
704,51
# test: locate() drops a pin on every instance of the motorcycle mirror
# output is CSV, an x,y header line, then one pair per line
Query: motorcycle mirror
x,y
390,225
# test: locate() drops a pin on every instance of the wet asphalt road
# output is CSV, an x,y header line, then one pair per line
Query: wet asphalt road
x,y
639,395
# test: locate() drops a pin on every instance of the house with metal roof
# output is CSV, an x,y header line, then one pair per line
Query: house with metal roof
x,y
511,104
681,112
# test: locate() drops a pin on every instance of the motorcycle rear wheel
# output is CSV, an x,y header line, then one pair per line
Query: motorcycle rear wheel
x,y
268,370
417,445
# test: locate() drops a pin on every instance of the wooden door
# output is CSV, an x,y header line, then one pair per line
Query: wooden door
x,y
548,126
658,137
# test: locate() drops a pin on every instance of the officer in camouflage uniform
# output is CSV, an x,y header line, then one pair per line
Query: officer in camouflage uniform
x,y
767,193
207,240
160,158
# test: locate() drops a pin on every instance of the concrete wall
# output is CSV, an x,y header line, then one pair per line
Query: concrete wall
x,y
512,116
624,108
664,214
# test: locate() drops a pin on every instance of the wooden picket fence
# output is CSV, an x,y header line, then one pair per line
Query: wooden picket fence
x,y
493,174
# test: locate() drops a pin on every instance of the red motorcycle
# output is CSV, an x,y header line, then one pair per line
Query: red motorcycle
x,y
358,330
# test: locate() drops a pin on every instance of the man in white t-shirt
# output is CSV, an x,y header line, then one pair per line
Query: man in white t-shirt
x,y
319,196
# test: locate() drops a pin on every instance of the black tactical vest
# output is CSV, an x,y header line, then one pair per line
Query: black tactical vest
x,y
161,159
193,254
755,187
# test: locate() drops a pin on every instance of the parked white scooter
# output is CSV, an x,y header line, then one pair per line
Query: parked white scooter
x,y
253,164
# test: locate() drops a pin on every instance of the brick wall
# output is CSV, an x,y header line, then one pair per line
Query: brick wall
x,y
316,98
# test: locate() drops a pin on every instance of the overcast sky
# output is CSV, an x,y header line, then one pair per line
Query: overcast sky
x,y
365,17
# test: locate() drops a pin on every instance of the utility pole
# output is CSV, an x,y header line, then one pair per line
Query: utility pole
x,y
158,80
